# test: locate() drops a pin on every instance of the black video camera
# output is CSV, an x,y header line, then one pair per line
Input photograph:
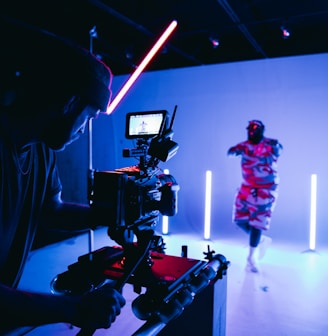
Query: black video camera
x,y
133,197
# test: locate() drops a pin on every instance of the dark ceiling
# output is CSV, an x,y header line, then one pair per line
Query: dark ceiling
x,y
208,31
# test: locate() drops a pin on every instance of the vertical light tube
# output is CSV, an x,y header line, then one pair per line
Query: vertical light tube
x,y
165,225
168,31
165,219
313,212
208,201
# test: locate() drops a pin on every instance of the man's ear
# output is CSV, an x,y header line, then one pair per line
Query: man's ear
x,y
71,104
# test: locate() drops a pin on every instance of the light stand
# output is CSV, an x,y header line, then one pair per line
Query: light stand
x,y
92,35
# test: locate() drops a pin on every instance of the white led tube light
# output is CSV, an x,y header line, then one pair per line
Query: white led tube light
x,y
313,212
165,219
208,200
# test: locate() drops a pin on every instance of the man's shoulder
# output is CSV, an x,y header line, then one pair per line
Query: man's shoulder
x,y
272,142
42,149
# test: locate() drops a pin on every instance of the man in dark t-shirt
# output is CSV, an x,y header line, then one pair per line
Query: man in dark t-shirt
x,y
49,89
28,179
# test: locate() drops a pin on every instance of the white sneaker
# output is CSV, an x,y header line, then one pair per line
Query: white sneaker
x,y
263,246
251,265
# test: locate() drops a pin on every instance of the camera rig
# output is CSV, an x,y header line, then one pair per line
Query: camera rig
x,y
132,199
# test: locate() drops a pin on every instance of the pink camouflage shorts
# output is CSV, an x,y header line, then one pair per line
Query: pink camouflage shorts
x,y
255,206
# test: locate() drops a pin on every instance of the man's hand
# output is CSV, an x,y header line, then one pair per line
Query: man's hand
x,y
273,142
98,309
235,150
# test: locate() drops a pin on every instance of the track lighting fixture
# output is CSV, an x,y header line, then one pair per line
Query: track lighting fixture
x,y
285,33
214,42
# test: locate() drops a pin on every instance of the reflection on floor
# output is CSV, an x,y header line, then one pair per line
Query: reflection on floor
x,y
287,297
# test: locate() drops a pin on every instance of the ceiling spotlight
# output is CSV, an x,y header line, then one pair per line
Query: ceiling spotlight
x,y
214,42
93,32
285,32
129,52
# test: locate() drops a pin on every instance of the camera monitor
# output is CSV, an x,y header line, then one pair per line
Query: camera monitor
x,y
144,125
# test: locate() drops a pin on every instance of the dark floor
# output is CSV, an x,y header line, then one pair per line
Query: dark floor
x,y
288,297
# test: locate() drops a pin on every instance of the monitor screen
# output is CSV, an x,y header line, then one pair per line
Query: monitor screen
x,y
144,125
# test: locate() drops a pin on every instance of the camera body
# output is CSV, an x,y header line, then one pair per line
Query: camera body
x,y
134,197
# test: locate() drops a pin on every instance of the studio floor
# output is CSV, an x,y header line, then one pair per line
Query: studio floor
x,y
288,297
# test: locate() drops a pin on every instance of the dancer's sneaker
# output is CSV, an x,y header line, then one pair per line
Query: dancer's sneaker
x,y
263,246
251,265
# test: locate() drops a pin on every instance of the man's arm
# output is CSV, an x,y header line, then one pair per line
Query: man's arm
x,y
97,309
236,150
276,147
66,216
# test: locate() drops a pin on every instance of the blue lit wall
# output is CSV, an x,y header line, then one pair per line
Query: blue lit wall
x,y
290,95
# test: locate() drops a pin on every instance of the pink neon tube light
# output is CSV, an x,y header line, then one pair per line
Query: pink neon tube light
x,y
141,67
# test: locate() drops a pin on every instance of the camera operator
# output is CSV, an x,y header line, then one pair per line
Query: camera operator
x,y
48,92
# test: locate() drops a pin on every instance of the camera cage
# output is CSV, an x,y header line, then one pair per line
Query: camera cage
x,y
134,196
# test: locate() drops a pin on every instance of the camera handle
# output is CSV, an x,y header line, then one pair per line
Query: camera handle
x,y
143,247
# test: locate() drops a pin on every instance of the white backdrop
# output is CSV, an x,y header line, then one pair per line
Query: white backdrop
x,y
215,103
